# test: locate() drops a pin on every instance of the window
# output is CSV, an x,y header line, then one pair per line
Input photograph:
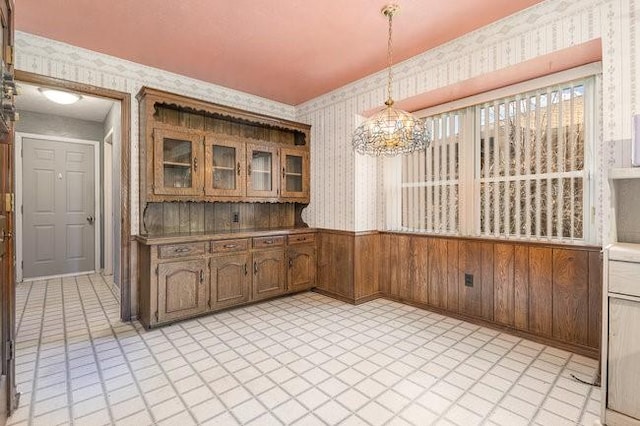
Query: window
x,y
514,166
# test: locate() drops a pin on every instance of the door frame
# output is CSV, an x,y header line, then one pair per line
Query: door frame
x,y
97,190
107,206
127,241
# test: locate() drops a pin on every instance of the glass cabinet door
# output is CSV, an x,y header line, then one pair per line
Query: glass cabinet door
x,y
295,173
262,164
177,163
225,174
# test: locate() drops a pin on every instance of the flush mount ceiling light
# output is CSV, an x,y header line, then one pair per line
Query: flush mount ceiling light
x,y
390,131
60,96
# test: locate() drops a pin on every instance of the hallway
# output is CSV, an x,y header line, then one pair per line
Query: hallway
x,y
304,359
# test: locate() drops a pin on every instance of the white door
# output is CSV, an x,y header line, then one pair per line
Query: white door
x,y
58,181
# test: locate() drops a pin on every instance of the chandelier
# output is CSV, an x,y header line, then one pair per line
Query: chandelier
x,y
390,131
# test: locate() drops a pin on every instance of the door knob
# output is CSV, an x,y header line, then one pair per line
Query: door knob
x,y
90,219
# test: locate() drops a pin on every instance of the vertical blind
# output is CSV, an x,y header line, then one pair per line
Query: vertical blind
x,y
528,159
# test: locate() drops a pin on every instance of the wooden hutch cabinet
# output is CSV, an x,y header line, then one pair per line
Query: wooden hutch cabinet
x,y
198,151
222,192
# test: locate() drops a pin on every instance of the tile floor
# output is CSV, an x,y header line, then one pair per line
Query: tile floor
x,y
306,359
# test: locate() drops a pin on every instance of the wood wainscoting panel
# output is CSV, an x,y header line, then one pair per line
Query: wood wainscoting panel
x,y
541,291
521,287
470,258
476,260
420,269
595,299
335,263
384,270
452,262
504,284
404,282
367,248
438,271
571,296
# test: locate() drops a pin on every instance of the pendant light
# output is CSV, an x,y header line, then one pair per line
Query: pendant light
x,y
390,131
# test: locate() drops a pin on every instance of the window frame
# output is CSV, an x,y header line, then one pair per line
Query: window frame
x,y
469,179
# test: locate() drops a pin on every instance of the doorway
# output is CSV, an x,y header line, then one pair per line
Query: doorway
x,y
59,194
115,131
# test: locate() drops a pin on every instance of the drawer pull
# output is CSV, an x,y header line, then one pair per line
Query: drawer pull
x,y
301,238
182,250
268,242
230,246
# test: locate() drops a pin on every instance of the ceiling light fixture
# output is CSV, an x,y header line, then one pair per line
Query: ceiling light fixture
x,y
60,96
390,131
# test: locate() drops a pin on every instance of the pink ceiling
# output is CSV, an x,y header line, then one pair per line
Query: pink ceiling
x,y
285,50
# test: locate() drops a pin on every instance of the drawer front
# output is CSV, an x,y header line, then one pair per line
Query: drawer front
x,y
230,246
266,242
301,238
624,277
168,251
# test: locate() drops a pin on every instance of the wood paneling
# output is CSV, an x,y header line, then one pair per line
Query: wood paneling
x,y
366,265
521,287
420,269
470,258
188,217
571,296
504,284
540,291
545,291
335,263
452,261
438,271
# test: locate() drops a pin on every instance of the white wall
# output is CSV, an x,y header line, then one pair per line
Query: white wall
x,y
60,60
347,187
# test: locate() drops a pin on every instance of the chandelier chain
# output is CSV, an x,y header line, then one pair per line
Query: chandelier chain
x,y
390,58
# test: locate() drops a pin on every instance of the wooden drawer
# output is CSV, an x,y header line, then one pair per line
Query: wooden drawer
x,y
301,238
624,277
266,242
229,246
168,251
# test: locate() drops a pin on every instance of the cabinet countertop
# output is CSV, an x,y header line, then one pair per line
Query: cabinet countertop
x,y
185,237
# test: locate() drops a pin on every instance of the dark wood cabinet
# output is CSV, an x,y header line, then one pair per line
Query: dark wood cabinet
x,y
262,167
230,280
182,289
179,164
225,168
202,152
301,272
294,176
268,273
182,277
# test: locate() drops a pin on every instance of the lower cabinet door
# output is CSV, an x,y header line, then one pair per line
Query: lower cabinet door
x,y
268,273
302,267
230,280
624,347
182,289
